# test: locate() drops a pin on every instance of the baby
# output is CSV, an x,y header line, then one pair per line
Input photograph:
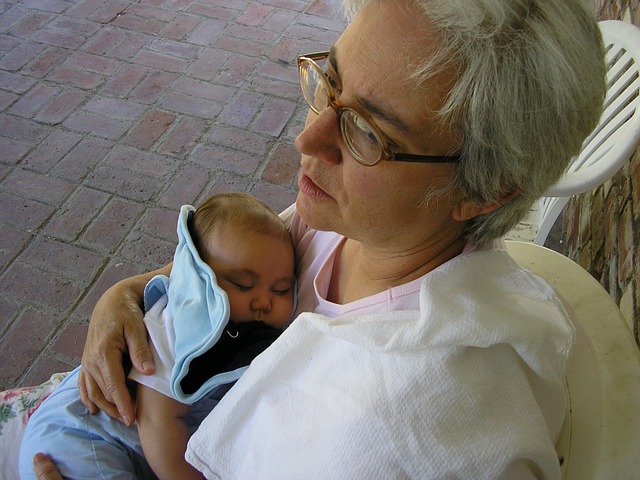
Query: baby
x,y
230,293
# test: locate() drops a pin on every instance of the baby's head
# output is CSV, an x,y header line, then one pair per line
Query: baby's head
x,y
249,248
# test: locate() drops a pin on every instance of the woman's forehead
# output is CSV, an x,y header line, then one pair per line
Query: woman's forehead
x,y
377,56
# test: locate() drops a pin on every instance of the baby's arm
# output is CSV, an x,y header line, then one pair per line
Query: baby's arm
x,y
164,434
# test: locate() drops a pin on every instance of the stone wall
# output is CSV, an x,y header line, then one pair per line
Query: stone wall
x,y
602,228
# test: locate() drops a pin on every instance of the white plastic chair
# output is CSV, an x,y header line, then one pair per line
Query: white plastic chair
x,y
612,142
600,438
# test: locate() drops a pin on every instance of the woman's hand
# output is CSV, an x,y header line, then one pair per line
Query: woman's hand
x,y
45,469
116,328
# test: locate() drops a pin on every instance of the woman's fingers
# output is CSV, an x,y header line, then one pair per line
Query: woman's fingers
x,y
45,469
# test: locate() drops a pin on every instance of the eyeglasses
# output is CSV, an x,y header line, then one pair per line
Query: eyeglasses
x,y
362,137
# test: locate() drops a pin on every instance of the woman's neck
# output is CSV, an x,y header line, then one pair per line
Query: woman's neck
x,y
359,272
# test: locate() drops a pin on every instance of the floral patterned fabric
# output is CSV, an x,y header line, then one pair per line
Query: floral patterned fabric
x,y
16,407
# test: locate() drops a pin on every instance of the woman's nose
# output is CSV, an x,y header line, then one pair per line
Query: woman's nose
x,y
321,136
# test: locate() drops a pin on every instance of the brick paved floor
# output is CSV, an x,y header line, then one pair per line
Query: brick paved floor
x,y
113,113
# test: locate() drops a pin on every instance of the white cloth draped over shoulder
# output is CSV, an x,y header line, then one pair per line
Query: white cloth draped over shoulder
x,y
469,385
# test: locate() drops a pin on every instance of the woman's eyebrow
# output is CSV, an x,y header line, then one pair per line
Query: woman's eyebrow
x,y
370,107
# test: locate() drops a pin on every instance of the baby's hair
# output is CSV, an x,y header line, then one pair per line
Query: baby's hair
x,y
239,210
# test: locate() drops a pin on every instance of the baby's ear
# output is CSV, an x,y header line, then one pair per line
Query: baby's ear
x,y
467,209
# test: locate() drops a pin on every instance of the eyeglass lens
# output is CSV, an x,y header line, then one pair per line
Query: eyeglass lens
x,y
356,131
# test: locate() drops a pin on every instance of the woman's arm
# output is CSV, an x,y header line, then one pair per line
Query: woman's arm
x,y
116,328
164,434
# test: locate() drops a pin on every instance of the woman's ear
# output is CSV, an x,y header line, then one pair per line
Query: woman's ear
x,y
467,209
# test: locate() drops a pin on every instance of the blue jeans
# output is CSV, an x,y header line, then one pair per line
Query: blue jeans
x,y
82,445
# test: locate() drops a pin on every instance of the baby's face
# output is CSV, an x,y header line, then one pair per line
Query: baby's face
x,y
257,273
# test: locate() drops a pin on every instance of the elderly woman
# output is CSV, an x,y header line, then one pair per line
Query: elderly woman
x,y
421,350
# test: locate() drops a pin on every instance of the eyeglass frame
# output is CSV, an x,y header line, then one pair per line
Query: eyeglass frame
x,y
385,151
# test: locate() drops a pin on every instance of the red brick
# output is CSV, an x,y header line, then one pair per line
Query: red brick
x,y
63,259
114,272
149,164
149,130
130,45
202,89
22,129
59,38
26,337
240,139
160,61
152,87
274,116
152,12
283,167
180,27
280,20
12,240
12,16
37,186
95,124
52,150
22,212
110,227
205,33
161,222
21,55
223,12
8,310
14,82
42,370
25,283
12,150
276,196
76,214
183,136
139,188
241,111
77,164
76,26
257,35
625,246
138,24
255,14
7,99
61,107
185,187
175,49
125,80
33,100
115,108
228,182
635,184
32,23
237,70
103,41
93,63
199,107
226,159
70,341
148,250
241,46
70,76
208,64
50,59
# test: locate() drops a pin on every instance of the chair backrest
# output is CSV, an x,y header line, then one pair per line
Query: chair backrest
x,y
611,143
600,438
617,135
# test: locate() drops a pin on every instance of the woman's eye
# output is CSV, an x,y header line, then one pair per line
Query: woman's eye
x,y
335,85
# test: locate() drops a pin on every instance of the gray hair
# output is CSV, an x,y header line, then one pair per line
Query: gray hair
x,y
530,88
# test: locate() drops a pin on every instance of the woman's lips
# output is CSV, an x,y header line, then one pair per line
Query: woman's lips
x,y
310,189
